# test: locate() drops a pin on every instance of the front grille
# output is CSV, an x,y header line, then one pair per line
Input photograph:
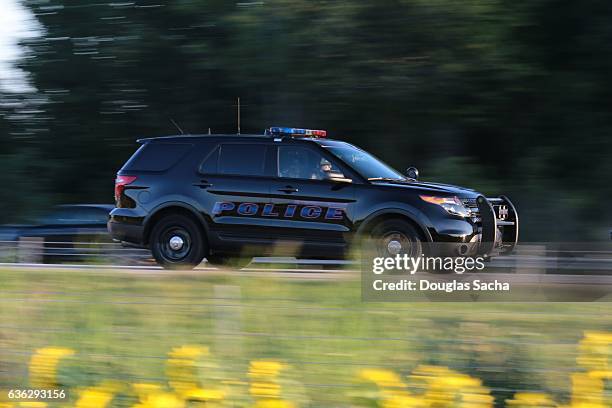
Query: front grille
x,y
499,208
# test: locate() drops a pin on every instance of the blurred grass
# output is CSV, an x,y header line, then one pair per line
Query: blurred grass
x,y
122,325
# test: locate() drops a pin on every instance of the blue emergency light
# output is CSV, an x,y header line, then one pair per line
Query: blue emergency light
x,y
287,131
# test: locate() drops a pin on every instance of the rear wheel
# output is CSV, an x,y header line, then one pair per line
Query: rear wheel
x,y
177,242
228,261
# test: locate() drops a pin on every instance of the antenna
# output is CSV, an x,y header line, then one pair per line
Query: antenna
x,y
238,105
238,115
177,126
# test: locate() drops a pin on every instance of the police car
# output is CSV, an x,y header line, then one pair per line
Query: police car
x,y
295,192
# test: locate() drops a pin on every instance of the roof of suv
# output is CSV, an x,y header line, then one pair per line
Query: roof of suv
x,y
242,137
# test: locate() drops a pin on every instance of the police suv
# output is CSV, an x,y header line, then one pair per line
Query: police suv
x,y
295,192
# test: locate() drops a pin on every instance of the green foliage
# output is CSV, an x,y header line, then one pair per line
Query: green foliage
x,y
122,325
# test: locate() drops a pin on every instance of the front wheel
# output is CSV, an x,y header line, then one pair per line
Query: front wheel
x,y
177,242
395,237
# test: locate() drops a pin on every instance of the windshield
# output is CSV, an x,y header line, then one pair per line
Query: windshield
x,y
364,163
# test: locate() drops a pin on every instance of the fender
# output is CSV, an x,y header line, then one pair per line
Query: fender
x,y
419,219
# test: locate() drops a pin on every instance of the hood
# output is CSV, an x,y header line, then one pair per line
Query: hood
x,y
461,192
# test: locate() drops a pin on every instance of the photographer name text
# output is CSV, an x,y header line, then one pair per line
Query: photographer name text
x,y
447,286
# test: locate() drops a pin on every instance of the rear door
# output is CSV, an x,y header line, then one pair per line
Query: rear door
x,y
312,213
234,183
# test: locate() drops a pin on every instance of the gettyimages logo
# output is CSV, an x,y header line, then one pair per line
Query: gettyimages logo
x,y
411,265
404,277
541,272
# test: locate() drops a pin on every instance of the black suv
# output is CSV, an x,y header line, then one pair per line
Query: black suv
x,y
291,192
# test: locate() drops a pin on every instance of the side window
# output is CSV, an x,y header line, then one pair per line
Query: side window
x,y
210,164
242,159
300,162
156,156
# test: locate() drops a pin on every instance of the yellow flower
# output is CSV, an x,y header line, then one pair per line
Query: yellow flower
x,y
264,389
587,391
594,350
264,368
443,386
161,400
143,390
402,399
531,399
43,366
604,375
94,398
189,352
99,396
274,403
599,337
181,367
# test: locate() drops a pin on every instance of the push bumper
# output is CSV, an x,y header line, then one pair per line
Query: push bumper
x,y
492,229
499,225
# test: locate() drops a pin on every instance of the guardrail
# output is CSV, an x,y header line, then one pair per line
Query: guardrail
x,y
528,256
36,250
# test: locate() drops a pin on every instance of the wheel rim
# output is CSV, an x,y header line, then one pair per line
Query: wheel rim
x,y
175,244
394,243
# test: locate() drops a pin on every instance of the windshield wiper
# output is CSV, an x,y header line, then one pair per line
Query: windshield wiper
x,y
385,179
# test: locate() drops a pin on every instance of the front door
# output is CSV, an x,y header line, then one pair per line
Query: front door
x,y
312,214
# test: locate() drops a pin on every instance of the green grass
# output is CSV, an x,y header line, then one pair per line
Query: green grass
x,y
122,326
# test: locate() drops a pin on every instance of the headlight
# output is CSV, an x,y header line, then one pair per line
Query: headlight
x,y
452,205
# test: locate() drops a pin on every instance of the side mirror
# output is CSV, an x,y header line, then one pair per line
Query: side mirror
x,y
413,173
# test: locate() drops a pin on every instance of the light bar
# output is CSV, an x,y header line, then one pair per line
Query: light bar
x,y
297,132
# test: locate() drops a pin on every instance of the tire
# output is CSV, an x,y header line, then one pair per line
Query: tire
x,y
228,261
395,236
190,236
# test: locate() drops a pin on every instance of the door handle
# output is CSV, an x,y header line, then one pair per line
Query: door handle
x,y
203,184
288,189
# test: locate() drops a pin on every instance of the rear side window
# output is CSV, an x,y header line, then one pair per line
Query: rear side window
x,y
242,159
157,156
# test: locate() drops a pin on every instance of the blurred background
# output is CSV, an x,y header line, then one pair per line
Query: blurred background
x,y
506,97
